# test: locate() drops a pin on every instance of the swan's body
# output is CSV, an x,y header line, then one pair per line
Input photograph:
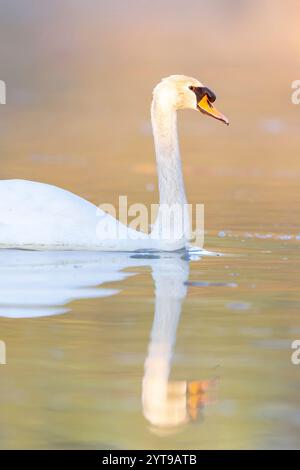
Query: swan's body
x,y
44,217
40,216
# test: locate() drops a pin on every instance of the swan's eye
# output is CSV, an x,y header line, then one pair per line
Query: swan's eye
x,y
200,91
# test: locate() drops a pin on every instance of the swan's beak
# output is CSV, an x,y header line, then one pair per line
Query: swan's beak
x,y
206,107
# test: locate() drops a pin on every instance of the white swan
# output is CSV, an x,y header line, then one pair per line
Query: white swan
x,y
43,217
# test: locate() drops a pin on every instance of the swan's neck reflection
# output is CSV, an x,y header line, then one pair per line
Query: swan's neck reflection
x,y
163,402
168,403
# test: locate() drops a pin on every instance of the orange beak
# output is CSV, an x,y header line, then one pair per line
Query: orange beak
x,y
206,107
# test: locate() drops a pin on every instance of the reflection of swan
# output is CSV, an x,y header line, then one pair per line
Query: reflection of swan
x,y
38,216
41,283
168,403
34,284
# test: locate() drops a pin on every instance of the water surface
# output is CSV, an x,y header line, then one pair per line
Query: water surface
x,y
76,376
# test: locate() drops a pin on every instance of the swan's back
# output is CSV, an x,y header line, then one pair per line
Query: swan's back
x,y
37,215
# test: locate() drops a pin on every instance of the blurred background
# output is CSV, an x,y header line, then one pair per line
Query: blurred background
x,y
79,77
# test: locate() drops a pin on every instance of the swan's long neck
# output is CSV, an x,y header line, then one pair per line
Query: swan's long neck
x,y
170,178
169,168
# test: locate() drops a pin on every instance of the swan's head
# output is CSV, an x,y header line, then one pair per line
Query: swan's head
x,y
182,92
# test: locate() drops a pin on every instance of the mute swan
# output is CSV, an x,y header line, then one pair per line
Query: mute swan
x,y
42,217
